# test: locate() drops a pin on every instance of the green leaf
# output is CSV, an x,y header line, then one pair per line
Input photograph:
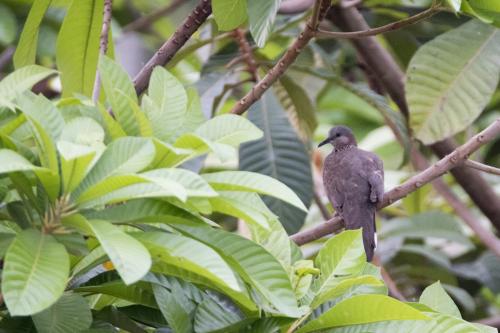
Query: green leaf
x,y
281,155
27,46
12,162
245,205
170,306
253,182
35,273
71,313
454,4
129,257
145,211
120,93
229,14
195,262
122,156
139,292
341,257
363,309
451,79
229,129
77,48
194,185
261,16
21,80
8,25
215,315
435,297
165,104
255,265
439,323
429,224
303,113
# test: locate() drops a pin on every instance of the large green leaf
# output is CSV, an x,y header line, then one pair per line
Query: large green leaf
x,y
145,211
261,16
193,261
342,256
363,309
281,155
35,273
27,45
166,103
253,182
130,258
138,293
451,79
71,313
215,315
170,304
194,185
21,80
435,297
428,224
122,156
77,49
254,264
439,323
229,14
120,93
12,162
298,104
229,129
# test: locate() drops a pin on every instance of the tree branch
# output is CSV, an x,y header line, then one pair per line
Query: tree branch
x,y
451,161
482,167
285,61
167,51
383,29
144,22
103,44
246,54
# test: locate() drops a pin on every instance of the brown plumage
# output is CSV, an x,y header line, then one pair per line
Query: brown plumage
x,y
354,182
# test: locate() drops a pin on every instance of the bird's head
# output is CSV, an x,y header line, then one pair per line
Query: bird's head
x,y
339,137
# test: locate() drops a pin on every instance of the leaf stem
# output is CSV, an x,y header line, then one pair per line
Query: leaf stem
x,y
383,29
103,44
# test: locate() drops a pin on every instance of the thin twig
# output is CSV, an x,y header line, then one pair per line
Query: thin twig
x,y
391,285
282,65
491,321
167,51
144,22
482,167
436,170
246,53
103,44
383,29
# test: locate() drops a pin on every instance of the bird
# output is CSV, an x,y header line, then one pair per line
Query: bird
x,y
354,184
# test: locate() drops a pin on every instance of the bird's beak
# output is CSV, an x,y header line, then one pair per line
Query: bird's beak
x,y
324,142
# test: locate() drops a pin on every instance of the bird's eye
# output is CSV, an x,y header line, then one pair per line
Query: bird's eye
x,y
337,135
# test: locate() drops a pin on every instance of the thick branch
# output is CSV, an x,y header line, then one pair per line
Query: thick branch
x,y
392,78
167,51
383,29
482,167
452,160
286,60
144,22
103,44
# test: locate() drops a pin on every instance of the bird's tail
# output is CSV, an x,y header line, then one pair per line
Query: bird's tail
x,y
363,218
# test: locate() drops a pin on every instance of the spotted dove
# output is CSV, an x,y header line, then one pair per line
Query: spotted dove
x,y
354,182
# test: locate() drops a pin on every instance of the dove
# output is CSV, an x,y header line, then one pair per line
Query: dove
x,y
354,183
